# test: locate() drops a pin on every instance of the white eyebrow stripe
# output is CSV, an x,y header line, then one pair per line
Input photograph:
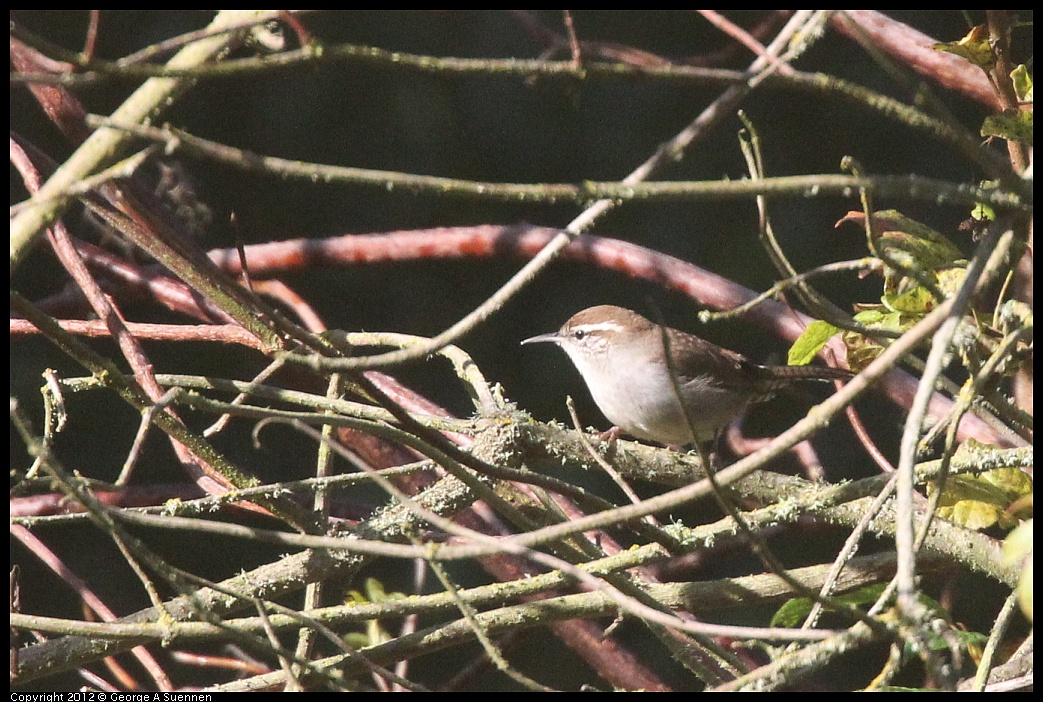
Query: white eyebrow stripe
x,y
600,326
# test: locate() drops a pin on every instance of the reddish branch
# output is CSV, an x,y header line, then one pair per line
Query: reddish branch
x,y
914,50
707,289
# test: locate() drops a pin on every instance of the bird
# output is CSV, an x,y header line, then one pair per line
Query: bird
x,y
622,357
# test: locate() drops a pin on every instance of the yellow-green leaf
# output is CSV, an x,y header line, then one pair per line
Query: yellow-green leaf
x,y
950,279
862,350
971,514
980,501
974,47
1017,549
1012,125
917,300
809,343
1022,83
907,243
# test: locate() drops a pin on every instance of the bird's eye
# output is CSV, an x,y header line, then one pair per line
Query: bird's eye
x,y
579,334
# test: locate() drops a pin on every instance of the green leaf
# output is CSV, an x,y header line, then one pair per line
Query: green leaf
x,y
807,346
983,212
793,612
879,317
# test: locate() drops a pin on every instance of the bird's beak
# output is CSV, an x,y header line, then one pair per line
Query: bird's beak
x,y
552,337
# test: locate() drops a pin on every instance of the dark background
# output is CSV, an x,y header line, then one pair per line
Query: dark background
x,y
512,130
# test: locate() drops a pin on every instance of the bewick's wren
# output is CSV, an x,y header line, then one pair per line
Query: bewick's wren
x,y
622,358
